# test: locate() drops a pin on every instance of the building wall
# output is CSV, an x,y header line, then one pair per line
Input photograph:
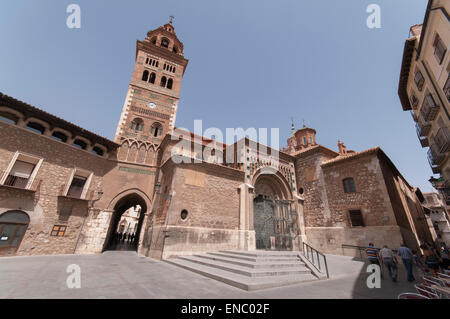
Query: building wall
x,y
210,195
45,207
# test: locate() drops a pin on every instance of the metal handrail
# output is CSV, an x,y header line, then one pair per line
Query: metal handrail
x,y
307,250
361,249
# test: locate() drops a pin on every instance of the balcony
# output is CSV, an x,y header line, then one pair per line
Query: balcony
x,y
442,139
429,108
435,158
422,128
17,182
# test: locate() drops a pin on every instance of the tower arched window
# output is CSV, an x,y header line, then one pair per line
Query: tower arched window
x,y
165,42
145,76
349,185
175,49
137,124
170,84
163,81
156,129
153,40
152,78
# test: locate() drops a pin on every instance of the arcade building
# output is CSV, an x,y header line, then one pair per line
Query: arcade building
x,y
63,189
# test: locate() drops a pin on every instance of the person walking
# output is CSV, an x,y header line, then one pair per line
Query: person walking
x,y
407,257
388,258
372,254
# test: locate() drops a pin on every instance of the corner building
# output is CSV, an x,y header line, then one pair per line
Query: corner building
x,y
64,189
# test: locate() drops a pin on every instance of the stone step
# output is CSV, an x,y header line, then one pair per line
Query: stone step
x,y
254,264
254,259
241,281
262,253
246,271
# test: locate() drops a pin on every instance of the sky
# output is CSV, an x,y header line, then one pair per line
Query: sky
x,y
251,64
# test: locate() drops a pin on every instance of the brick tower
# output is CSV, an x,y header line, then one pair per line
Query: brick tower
x,y
152,99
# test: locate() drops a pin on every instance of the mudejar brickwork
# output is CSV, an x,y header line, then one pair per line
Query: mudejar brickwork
x,y
63,189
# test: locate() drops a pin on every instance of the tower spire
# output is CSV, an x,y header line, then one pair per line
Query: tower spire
x,y
171,19
292,126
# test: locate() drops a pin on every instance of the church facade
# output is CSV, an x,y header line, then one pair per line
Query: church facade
x,y
64,189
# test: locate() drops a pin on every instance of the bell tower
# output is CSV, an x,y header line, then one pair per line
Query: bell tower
x,y
151,104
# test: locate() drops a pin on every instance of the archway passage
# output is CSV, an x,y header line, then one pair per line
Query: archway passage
x,y
126,223
272,214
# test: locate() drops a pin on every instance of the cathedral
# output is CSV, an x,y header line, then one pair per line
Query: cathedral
x,y
64,189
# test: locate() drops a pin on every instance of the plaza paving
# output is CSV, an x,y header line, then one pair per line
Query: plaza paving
x,y
124,274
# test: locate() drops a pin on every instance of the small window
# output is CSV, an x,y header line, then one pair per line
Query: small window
x,y
175,49
80,144
349,185
184,214
36,127
419,80
163,81
153,40
439,49
152,78
76,186
8,118
59,136
356,218
97,150
58,230
145,76
304,141
170,84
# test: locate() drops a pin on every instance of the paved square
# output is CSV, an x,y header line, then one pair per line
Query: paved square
x,y
124,274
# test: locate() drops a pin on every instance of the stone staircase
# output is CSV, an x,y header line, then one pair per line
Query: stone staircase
x,y
249,270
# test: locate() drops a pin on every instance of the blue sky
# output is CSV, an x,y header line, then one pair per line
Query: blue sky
x,y
251,64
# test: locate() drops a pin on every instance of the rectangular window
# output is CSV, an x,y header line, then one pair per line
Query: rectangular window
x,y
58,230
439,49
21,172
77,186
349,185
419,80
356,218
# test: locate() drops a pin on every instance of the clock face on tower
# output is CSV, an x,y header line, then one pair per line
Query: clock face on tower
x,y
151,105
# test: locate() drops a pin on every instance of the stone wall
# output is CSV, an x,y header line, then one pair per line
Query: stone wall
x,y
44,206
